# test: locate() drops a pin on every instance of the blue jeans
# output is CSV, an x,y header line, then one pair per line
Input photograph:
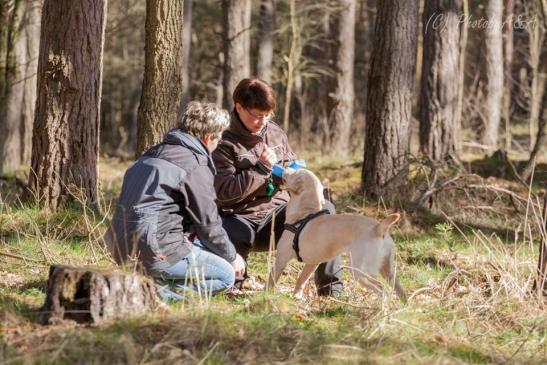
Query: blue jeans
x,y
199,270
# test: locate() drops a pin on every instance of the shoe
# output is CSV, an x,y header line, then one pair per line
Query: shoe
x,y
248,284
167,295
331,290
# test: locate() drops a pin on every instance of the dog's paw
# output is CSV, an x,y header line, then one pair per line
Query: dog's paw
x,y
299,295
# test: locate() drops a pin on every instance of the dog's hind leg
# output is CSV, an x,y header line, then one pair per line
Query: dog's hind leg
x,y
388,272
303,278
365,269
370,282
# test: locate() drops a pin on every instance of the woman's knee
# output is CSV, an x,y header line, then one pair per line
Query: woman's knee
x,y
223,271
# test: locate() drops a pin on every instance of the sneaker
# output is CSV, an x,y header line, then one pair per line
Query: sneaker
x,y
248,284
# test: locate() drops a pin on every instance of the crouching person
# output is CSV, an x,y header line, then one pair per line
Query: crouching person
x,y
166,217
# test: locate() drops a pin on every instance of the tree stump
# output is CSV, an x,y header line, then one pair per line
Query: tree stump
x,y
92,295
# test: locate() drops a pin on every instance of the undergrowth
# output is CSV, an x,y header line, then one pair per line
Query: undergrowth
x,y
468,272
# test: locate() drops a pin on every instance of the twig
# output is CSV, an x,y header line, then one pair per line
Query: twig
x,y
330,298
19,257
499,189
426,194
208,353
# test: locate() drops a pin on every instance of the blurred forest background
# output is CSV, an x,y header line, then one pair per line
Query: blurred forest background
x,y
431,108
455,78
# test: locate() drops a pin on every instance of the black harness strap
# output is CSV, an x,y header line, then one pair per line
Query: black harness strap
x,y
298,226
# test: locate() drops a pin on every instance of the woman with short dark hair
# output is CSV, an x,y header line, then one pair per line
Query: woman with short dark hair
x,y
248,193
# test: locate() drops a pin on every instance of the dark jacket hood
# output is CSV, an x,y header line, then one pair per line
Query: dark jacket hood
x,y
178,136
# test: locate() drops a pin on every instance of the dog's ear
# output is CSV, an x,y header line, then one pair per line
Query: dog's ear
x,y
384,225
294,184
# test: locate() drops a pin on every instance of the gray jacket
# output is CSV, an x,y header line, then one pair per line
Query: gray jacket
x,y
167,199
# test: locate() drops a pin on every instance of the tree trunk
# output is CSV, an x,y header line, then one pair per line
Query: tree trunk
x,y
389,101
494,74
508,66
541,76
89,295
537,62
440,115
540,139
162,84
464,39
312,93
540,284
19,46
295,51
341,116
237,46
65,137
266,40
186,44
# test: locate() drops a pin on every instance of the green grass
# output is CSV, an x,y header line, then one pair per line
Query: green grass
x,y
469,299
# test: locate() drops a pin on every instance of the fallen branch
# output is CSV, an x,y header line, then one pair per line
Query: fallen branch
x,y
13,256
502,190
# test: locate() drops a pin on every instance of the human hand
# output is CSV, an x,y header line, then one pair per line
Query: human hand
x,y
239,266
268,157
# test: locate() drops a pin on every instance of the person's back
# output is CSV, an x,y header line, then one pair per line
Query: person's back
x,y
166,216
150,218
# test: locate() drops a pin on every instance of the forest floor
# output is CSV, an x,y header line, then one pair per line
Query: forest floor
x,y
466,257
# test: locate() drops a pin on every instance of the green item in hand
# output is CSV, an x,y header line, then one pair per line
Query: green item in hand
x,y
270,188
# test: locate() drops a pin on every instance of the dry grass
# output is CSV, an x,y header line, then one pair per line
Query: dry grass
x,y
468,281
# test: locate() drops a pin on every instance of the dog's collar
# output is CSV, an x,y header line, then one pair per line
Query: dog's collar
x,y
298,226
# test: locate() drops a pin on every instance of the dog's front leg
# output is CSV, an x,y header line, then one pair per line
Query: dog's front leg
x,y
284,254
303,278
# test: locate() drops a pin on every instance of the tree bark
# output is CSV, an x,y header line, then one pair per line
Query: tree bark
x,y
440,115
508,66
540,139
186,45
295,51
90,295
66,124
541,76
341,116
540,284
537,62
237,45
494,74
19,46
266,40
162,84
389,101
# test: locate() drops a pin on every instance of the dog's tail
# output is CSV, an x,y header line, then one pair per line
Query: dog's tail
x,y
384,225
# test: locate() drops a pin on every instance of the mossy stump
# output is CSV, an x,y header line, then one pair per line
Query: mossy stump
x,y
93,295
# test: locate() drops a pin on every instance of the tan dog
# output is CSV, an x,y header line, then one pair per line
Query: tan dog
x,y
370,247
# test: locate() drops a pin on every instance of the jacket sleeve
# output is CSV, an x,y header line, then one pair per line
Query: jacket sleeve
x,y
234,186
287,157
203,211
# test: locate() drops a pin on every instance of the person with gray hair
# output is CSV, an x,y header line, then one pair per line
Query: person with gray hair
x,y
166,218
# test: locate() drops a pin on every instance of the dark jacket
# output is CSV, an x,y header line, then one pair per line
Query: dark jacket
x,y
241,184
168,196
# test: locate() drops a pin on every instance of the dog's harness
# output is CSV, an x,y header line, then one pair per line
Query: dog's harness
x,y
298,226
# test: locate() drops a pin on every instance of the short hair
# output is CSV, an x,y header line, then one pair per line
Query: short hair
x,y
201,119
255,94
